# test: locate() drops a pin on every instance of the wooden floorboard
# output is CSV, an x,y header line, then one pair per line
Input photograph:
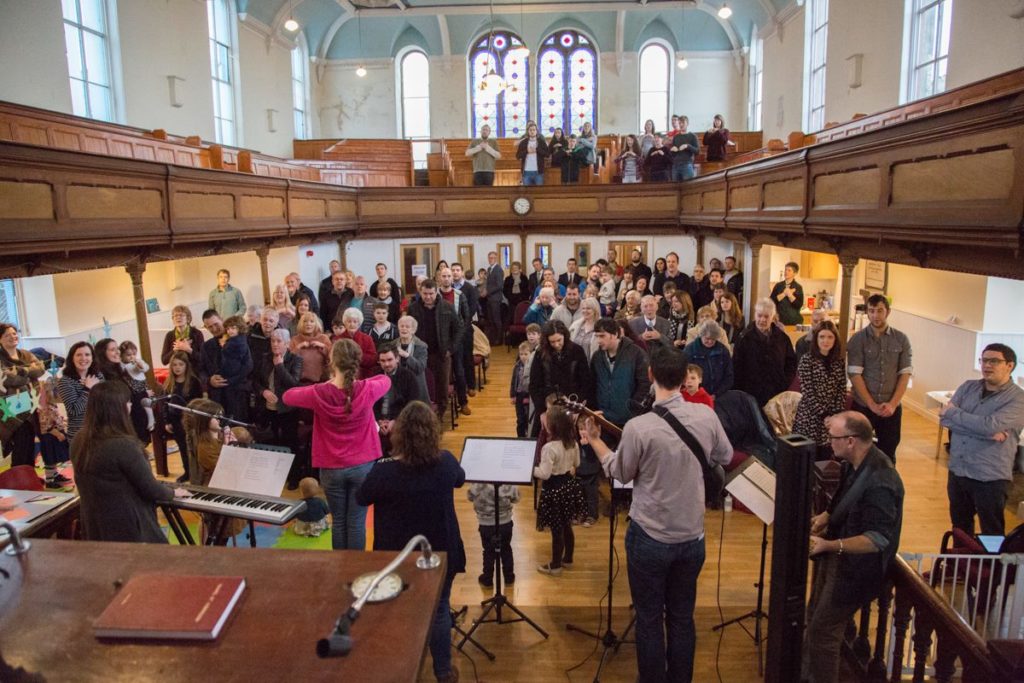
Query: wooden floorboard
x,y
575,596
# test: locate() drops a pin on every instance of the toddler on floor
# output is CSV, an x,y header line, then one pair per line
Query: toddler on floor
x,y
482,497
313,520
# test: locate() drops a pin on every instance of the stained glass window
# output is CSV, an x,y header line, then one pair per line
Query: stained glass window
x,y
567,78
502,99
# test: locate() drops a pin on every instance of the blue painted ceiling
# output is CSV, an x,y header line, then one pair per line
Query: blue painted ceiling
x,y
687,28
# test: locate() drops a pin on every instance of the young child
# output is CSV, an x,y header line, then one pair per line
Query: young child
x,y
182,386
606,295
235,367
206,437
692,391
53,438
136,369
313,521
519,391
382,330
533,336
562,500
482,497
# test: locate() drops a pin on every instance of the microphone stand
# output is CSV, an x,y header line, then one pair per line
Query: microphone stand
x,y
221,417
339,643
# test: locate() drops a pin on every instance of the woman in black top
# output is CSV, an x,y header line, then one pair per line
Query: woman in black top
x,y
118,491
412,493
658,276
108,360
559,367
558,145
515,288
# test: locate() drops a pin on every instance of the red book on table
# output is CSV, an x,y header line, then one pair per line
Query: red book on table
x,y
170,606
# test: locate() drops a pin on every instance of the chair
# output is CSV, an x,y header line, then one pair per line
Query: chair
x,y
21,478
518,327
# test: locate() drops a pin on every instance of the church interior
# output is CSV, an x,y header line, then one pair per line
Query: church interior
x,y
146,145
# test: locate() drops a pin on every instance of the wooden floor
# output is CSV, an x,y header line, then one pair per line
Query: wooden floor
x,y
726,588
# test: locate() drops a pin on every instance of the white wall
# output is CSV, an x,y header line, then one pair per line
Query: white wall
x,y
350,106
783,79
713,83
160,39
266,84
35,71
985,40
879,40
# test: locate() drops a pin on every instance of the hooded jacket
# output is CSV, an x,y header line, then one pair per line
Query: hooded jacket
x,y
340,438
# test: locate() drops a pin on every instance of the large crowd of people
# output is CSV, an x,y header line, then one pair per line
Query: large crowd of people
x,y
355,379
649,156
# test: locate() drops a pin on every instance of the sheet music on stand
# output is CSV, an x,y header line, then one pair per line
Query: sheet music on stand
x,y
251,470
753,484
498,460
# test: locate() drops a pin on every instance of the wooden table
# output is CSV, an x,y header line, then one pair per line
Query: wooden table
x,y
937,400
293,597
32,519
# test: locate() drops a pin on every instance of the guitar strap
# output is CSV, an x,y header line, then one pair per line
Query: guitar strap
x,y
686,436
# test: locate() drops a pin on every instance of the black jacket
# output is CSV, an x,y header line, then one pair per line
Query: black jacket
x,y
332,303
314,303
286,375
542,152
404,388
763,365
449,326
567,373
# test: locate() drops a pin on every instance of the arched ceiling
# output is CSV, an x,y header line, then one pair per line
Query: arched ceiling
x,y
448,26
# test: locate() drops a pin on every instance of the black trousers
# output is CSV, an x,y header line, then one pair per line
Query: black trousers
x,y
22,444
969,497
563,543
483,177
887,429
504,533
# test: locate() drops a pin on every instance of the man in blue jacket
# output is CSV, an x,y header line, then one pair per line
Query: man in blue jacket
x,y
984,418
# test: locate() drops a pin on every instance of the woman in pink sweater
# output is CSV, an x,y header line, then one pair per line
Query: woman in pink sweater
x,y
345,441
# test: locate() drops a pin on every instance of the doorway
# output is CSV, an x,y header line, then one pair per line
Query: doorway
x,y
624,251
418,259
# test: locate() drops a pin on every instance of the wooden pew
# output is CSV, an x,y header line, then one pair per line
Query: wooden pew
x,y
359,162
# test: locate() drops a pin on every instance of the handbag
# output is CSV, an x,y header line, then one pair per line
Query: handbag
x,y
714,476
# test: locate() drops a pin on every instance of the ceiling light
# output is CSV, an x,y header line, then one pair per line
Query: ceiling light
x,y
361,71
291,25
682,63
724,12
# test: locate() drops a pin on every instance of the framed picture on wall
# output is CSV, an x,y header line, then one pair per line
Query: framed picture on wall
x,y
876,275
581,251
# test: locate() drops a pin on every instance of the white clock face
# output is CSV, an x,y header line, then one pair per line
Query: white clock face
x,y
389,588
521,206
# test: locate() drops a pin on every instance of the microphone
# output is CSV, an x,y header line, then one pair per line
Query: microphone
x,y
150,402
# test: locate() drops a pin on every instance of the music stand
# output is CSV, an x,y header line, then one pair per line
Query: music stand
x,y
609,639
497,461
753,484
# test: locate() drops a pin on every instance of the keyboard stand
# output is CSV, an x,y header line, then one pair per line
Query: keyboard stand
x,y
180,529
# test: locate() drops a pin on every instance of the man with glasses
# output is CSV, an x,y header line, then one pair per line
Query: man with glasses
x,y
984,418
878,361
853,542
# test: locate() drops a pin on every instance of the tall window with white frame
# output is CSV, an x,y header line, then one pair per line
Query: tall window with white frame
x,y
87,38
927,50
300,90
9,303
222,54
756,85
816,45
655,73
415,68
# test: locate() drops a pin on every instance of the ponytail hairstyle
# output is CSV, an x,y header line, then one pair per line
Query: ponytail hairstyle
x,y
345,358
561,426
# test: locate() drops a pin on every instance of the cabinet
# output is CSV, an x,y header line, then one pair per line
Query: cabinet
x,y
818,266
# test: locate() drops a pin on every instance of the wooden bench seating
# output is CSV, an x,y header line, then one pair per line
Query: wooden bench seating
x,y
359,162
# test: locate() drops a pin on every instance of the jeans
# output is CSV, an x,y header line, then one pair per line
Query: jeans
x,y
887,429
459,376
987,499
522,414
483,178
533,178
663,584
348,528
683,172
440,641
440,366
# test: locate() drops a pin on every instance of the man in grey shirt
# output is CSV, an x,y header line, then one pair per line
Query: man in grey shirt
x,y
484,152
878,361
226,299
984,418
665,539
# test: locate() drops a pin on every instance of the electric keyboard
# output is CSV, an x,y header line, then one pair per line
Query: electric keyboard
x,y
242,505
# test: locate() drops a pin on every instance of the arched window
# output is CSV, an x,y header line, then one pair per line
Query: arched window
x,y
502,99
415,84
567,74
654,85
300,89
222,65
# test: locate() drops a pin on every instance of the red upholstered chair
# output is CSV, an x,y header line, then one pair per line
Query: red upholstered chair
x,y
517,330
21,478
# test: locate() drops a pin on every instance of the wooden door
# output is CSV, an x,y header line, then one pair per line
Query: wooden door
x,y
418,259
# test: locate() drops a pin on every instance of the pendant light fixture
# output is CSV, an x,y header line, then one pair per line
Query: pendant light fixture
x,y
492,83
724,12
361,69
291,25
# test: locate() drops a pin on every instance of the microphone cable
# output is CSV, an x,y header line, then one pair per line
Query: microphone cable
x,y
718,597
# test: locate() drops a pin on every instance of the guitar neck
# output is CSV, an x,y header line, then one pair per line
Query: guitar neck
x,y
600,421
